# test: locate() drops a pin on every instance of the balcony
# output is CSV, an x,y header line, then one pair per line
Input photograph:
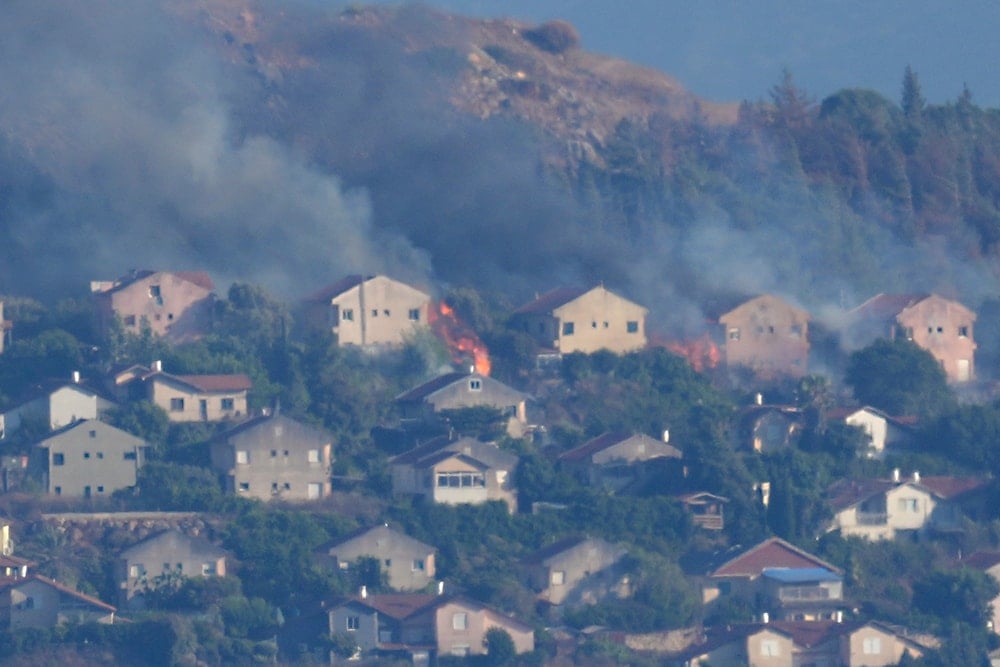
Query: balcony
x,y
872,518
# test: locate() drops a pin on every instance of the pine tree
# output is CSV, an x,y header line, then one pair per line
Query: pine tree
x,y
913,101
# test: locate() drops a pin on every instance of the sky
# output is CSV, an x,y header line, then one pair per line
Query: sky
x,y
731,50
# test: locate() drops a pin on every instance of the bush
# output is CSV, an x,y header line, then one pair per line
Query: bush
x,y
554,36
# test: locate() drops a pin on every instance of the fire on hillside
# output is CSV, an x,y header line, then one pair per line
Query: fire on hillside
x,y
702,352
461,340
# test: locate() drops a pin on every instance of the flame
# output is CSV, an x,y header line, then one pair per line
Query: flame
x,y
461,340
702,352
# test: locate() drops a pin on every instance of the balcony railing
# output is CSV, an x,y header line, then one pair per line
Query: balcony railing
x,y
872,518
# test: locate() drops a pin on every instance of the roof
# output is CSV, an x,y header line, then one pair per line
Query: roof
x,y
200,278
948,487
700,498
50,386
845,493
800,575
381,529
472,450
394,605
761,302
420,392
211,383
887,306
339,287
771,553
556,547
605,441
982,560
261,420
490,386
550,300
175,538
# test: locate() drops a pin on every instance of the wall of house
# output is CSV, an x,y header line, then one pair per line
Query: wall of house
x,y
170,554
874,426
181,312
768,336
542,327
580,568
402,553
453,640
943,328
476,390
770,649
380,311
162,392
870,647
601,320
97,460
461,495
366,636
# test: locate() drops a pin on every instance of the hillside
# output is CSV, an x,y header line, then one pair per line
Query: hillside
x,y
288,144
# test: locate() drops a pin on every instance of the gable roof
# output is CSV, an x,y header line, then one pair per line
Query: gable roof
x,y
14,582
557,547
52,385
380,531
90,424
174,539
209,383
846,493
886,306
199,278
469,449
981,560
771,553
394,605
426,390
261,421
336,289
606,441
551,300
761,302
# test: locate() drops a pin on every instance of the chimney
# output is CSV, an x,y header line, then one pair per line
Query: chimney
x,y
895,474
472,370
363,593
840,616
758,399
76,377
765,618
916,476
440,588
666,435
157,366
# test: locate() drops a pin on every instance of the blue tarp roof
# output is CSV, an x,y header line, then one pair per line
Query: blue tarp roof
x,y
800,575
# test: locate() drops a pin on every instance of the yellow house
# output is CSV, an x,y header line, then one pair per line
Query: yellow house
x,y
575,320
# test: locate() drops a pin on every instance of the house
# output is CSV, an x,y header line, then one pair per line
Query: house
x,y
174,305
571,319
455,472
767,335
422,627
56,403
273,456
781,580
790,644
884,509
453,391
576,571
616,460
768,428
941,326
5,328
988,562
408,562
161,559
89,458
369,311
883,430
192,398
34,601
706,509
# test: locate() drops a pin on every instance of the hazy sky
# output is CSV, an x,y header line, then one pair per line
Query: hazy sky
x,y
736,49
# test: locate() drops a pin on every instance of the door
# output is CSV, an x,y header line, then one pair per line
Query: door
x,y
203,409
964,372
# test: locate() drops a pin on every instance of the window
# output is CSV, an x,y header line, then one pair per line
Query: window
x,y
388,562
632,326
460,650
242,456
314,490
93,434
129,321
908,505
208,569
963,331
347,314
274,453
414,314
459,621
475,385
180,567
940,329
285,453
567,328
100,489
274,487
460,479
244,486
312,456
557,578
871,645
287,486
353,623
795,331
136,570
86,455
58,490
130,456
386,312
154,292
166,567
58,459
29,603
228,404
908,333
769,647
177,405
593,324
374,312
100,455
417,565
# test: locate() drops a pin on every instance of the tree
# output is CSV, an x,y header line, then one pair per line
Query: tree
x,y
899,377
913,100
500,648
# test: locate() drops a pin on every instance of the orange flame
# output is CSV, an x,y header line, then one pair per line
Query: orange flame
x,y
461,340
702,353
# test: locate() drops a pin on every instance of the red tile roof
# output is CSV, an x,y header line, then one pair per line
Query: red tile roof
x,y
235,382
12,582
981,560
886,306
397,605
338,288
550,300
948,487
773,552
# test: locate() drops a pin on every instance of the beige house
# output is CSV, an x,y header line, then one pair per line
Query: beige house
x,y
273,457
175,305
199,398
453,391
880,509
941,326
883,430
988,562
35,601
369,311
576,571
461,626
615,460
57,404
576,320
795,644
456,472
767,335
90,459
408,562
161,559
